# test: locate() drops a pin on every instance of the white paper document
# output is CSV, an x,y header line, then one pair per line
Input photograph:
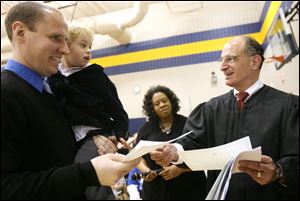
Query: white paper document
x,y
145,146
252,155
220,187
216,158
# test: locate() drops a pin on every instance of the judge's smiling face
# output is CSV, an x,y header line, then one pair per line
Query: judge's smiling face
x,y
240,68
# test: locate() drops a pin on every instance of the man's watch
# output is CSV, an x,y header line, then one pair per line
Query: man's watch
x,y
279,172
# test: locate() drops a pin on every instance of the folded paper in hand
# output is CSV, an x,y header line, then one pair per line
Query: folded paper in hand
x,y
216,158
220,187
145,146
225,158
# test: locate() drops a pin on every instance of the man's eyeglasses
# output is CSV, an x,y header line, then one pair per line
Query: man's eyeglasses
x,y
228,59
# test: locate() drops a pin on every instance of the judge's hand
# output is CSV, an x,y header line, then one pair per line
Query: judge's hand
x,y
262,172
171,172
105,145
165,155
111,167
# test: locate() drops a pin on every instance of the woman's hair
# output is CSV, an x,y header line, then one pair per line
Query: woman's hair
x,y
148,108
75,32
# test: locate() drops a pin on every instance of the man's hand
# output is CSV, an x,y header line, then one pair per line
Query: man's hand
x,y
126,144
111,167
150,176
171,172
164,156
262,172
105,145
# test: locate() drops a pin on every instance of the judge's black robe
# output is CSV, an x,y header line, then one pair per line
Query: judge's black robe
x,y
188,185
270,118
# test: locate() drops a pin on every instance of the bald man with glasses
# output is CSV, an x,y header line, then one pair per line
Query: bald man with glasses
x,y
268,116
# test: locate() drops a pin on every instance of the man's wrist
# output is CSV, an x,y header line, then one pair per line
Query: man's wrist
x,y
279,171
279,174
179,148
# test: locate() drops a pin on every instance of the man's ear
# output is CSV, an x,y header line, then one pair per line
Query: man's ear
x,y
256,62
18,30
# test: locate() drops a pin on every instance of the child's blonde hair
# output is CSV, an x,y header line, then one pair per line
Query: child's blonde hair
x,y
75,32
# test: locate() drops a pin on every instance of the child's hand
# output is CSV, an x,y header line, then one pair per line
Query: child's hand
x,y
105,145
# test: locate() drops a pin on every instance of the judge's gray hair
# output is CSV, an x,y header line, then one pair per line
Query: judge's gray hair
x,y
252,48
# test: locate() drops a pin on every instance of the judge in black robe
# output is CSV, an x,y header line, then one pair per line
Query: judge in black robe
x,y
270,118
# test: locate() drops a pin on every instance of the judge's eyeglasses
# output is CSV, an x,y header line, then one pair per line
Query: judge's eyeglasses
x,y
232,58
228,59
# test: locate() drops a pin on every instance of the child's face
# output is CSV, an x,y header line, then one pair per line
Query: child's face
x,y
79,52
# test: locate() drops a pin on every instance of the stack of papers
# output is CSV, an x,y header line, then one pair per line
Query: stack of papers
x,y
220,187
224,157
216,158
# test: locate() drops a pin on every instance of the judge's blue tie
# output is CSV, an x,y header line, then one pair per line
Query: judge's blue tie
x,y
241,96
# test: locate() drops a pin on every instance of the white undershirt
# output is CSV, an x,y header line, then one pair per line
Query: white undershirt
x,y
251,90
66,71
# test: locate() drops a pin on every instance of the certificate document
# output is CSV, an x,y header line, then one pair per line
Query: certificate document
x,y
215,158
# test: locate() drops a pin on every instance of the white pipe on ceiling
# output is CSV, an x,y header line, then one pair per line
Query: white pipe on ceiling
x,y
118,31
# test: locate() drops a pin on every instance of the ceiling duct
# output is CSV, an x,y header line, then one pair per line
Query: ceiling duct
x,y
118,31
